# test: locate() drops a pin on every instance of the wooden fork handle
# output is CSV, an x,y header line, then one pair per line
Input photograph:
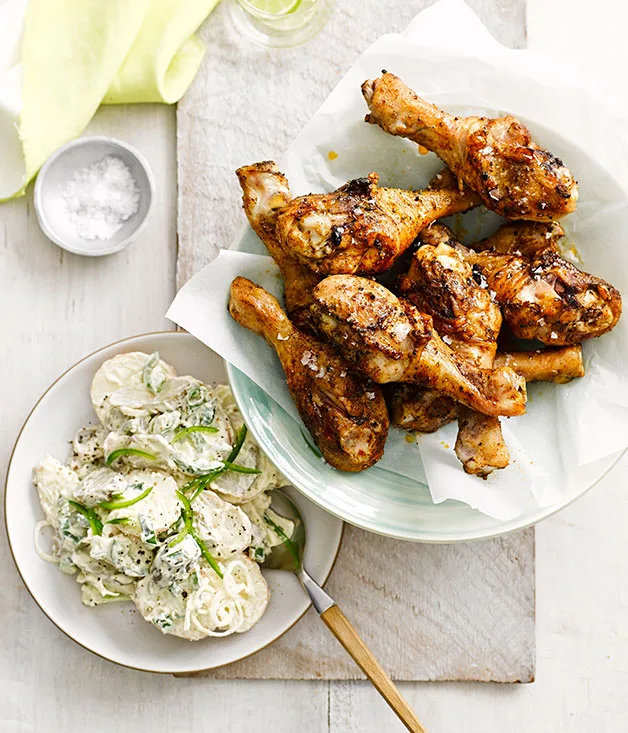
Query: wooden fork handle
x,y
341,628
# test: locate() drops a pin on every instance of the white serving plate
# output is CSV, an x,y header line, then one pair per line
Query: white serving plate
x,y
117,632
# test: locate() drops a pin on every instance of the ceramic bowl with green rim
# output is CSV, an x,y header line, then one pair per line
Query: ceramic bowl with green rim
x,y
377,499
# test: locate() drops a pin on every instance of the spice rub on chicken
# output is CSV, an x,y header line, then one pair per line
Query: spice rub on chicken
x,y
496,158
362,228
429,336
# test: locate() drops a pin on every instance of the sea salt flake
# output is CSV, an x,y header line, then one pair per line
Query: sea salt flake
x,y
99,198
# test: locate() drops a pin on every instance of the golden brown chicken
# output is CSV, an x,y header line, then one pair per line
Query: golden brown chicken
x,y
265,192
559,365
545,297
524,238
362,227
425,410
496,158
391,341
441,283
419,409
345,413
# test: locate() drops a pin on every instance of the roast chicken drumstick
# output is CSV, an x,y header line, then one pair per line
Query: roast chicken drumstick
x,y
265,192
524,238
362,228
442,284
559,365
496,158
545,297
391,341
425,410
345,414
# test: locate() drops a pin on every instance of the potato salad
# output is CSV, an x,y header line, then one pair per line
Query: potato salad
x,y
163,502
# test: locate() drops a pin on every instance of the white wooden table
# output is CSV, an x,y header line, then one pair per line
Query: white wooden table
x,y
57,307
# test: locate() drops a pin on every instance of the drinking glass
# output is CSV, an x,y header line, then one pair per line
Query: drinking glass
x,y
280,23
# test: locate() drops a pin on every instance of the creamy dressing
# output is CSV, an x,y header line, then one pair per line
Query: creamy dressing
x,y
146,510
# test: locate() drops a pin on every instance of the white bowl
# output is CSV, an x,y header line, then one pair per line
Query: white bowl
x,y
57,172
117,632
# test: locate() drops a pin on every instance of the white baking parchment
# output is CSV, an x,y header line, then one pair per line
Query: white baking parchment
x,y
448,56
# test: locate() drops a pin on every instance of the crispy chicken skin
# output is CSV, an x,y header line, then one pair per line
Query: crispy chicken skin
x,y
545,297
265,192
559,365
425,410
362,228
496,158
370,326
345,413
524,238
441,283
420,409
391,341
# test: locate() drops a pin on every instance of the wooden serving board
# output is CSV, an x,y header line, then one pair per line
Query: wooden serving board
x,y
429,612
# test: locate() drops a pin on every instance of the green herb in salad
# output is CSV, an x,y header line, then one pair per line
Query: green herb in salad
x,y
153,375
183,432
91,516
187,515
206,554
200,483
238,444
203,482
120,503
119,520
119,452
240,469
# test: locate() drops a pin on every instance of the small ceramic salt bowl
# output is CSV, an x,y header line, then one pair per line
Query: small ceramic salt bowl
x,y
51,194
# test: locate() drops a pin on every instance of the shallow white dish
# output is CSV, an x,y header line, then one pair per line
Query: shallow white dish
x,y
58,170
117,632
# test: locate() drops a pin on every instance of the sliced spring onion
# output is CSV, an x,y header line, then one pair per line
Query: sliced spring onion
x,y
290,546
180,434
114,455
200,483
91,516
124,503
187,507
240,469
119,520
206,554
187,515
206,481
238,444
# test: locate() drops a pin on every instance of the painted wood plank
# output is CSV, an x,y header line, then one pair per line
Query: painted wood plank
x,y
428,612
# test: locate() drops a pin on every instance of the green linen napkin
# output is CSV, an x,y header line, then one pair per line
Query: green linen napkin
x,y
77,54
